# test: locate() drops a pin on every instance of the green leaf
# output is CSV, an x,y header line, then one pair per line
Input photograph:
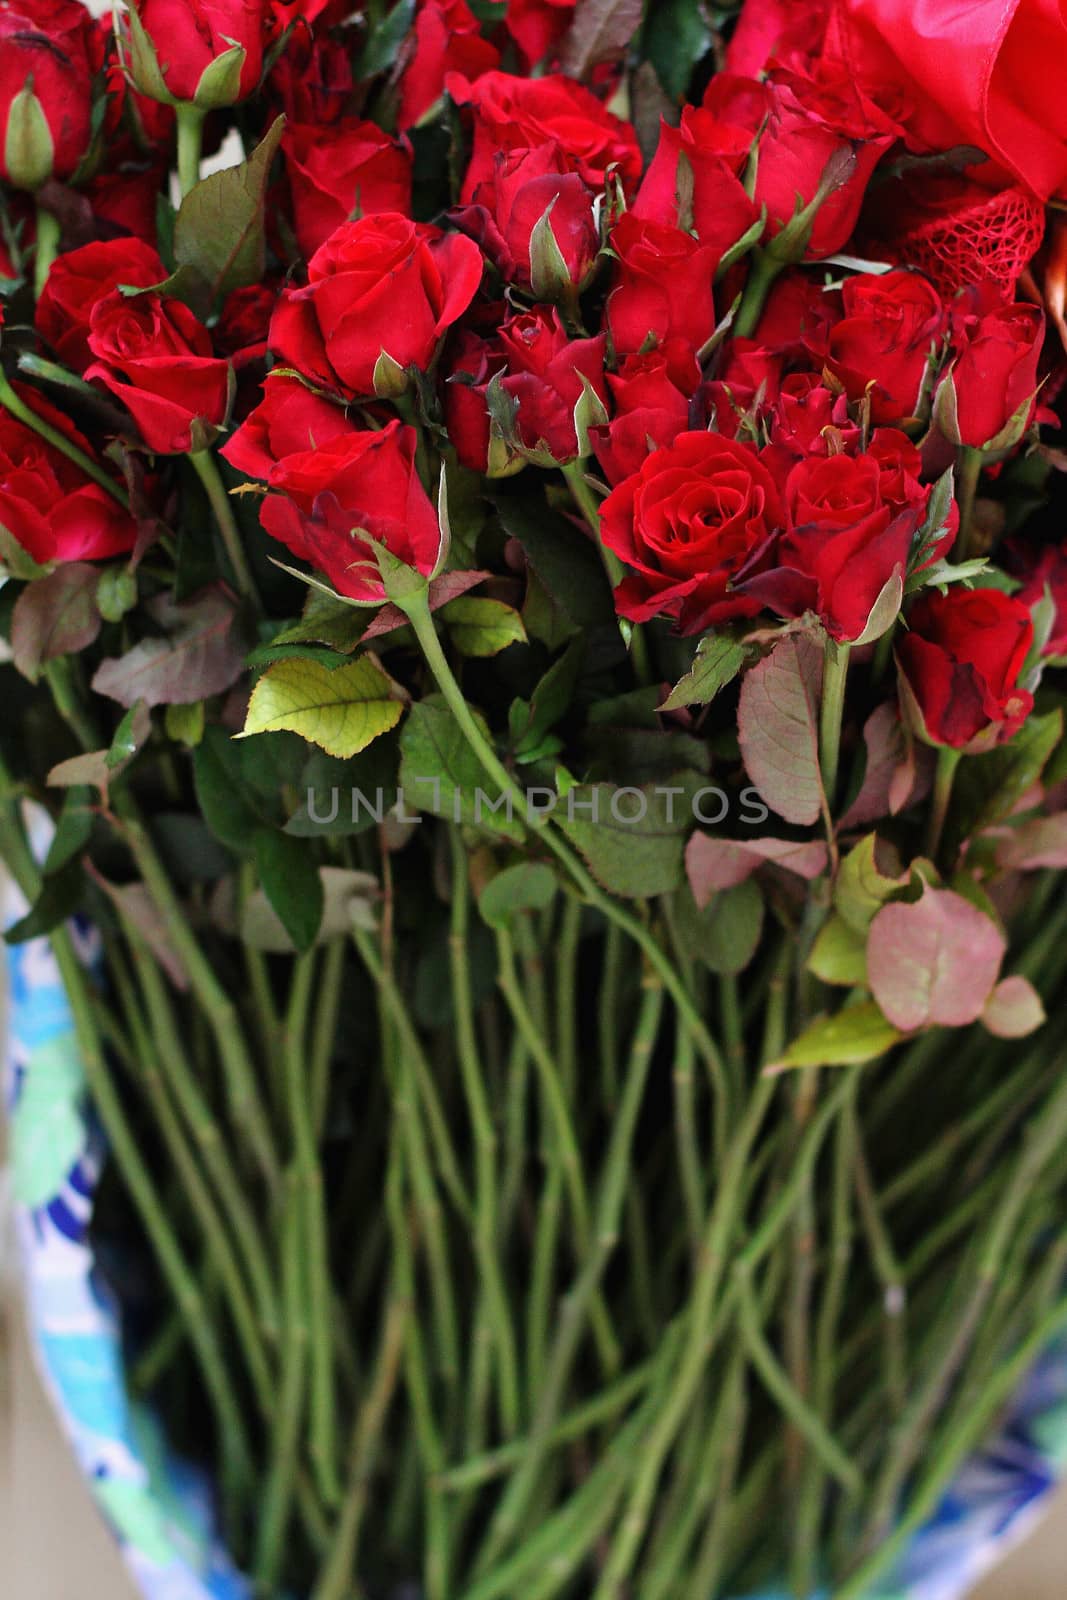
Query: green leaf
x,y
839,955
60,896
130,735
384,41
851,1037
482,627
677,37
567,565
219,231
225,804
529,886
291,882
342,710
185,723
73,829
719,659
733,925
988,787
862,888
327,622
440,774
632,838
530,721
47,1128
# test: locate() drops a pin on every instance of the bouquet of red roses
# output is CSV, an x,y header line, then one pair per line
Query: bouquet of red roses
x,y
534,569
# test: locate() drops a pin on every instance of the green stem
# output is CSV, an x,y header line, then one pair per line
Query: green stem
x,y
947,762
190,137
280,1485
417,610
46,247
969,463
310,1196
207,470
19,409
763,272
834,679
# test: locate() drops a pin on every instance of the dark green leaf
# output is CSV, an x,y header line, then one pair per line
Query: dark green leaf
x,y
55,616
291,882
632,838
73,829
224,802
677,37
439,773
529,886
219,231
566,563
988,787
384,41
60,897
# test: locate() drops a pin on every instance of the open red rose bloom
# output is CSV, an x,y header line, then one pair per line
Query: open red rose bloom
x,y
580,399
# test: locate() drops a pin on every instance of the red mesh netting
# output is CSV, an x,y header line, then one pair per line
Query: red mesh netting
x,y
957,233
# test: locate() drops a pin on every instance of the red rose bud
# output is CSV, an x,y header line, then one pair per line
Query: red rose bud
x,y
474,363
548,374
988,397
821,143
712,198
356,483
49,54
290,420
685,523
445,37
78,281
747,386
157,358
842,545
380,286
511,113
335,172
663,286
652,394
887,341
207,52
960,660
312,79
46,502
535,220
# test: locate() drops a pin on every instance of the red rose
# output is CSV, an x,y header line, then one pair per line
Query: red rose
x,y
312,78
380,285
522,113
993,381
291,419
545,372
663,286
775,29
349,168
807,416
842,544
892,327
814,126
652,393
960,659
189,36
526,185
445,37
798,316
243,324
538,26
126,202
473,363
51,49
685,523
78,280
157,358
746,387
46,502
716,150
1043,570
356,481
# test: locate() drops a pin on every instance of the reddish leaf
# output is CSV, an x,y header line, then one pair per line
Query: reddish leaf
x,y
1042,842
1014,1009
715,864
893,778
778,729
137,906
199,655
449,586
55,616
934,961
601,31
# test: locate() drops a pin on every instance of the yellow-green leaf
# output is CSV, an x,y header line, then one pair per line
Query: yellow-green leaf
x,y
343,710
851,1037
482,627
839,955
